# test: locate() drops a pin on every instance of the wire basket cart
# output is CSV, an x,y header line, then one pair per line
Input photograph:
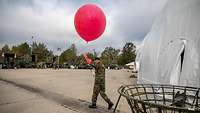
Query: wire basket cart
x,y
156,98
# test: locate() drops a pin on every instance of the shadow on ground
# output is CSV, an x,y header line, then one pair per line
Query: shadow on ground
x,y
77,105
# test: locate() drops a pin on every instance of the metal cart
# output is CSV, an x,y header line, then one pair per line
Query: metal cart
x,y
156,98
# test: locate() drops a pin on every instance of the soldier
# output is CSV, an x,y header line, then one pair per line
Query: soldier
x,y
99,85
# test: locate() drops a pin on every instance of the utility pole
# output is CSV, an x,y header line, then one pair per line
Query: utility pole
x,y
58,49
32,63
32,45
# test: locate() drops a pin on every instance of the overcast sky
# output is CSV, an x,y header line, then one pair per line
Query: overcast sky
x,y
52,22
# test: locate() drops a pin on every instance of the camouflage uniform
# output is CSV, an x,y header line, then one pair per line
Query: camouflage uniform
x,y
99,85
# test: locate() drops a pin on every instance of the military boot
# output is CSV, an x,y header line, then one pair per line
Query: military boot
x,y
92,106
110,104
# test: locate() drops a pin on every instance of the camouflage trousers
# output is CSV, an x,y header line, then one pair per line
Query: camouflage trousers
x,y
99,89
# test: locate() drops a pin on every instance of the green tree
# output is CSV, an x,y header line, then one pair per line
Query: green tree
x,y
69,56
5,49
128,54
91,55
22,49
80,60
41,52
110,56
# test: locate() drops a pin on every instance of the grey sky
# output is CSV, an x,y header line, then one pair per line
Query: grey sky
x,y
51,22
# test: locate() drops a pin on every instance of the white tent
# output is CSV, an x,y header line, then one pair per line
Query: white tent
x,y
171,50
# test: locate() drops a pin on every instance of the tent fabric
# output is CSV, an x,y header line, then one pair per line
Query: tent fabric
x,y
170,53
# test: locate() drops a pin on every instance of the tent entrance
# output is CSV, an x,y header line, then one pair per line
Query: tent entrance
x,y
171,60
178,65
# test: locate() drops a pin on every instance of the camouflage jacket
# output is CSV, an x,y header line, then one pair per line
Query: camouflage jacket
x,y
99,72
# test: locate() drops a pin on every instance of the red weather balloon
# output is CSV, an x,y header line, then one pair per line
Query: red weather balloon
x,y
90,22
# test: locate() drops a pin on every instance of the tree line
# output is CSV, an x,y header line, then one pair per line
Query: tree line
x,y
110,56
